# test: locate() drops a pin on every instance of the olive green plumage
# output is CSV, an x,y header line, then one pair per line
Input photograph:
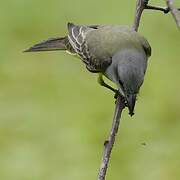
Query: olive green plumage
x,y
107,40
115,51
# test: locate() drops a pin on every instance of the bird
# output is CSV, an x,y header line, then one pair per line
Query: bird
x,y
114,51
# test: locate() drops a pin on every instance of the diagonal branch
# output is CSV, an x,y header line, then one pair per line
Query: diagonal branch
x,y
120,105
140,6
108,145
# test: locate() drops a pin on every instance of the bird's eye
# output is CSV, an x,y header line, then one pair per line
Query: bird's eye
x,y
121,83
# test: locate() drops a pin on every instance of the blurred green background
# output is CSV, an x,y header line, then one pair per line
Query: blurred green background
x,y
54,117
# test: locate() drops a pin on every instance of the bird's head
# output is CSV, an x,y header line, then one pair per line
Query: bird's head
x,y
129,82
130,76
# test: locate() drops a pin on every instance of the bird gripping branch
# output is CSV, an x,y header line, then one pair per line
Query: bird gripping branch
x,y
113,51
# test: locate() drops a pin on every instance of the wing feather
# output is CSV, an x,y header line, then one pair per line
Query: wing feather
x,y
77,39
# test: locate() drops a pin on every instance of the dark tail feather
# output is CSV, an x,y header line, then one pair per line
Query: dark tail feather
x,y
52,44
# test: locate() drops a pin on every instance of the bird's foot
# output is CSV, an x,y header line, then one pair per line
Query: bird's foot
x,y
117,93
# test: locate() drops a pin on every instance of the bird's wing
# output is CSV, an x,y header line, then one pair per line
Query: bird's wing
x,y
77,39
146,46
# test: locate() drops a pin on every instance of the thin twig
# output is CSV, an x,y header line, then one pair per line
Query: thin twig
x,y
108,145
141,5
174,11
165,10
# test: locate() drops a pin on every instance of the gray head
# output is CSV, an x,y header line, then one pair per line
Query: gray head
x,y
128,69
130,79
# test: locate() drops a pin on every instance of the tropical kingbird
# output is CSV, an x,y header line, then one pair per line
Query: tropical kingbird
x,y
115,51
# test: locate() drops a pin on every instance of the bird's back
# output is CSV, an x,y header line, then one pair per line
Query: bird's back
x,y
107,40
96,45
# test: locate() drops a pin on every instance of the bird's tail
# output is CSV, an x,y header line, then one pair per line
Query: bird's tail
x,y
52,44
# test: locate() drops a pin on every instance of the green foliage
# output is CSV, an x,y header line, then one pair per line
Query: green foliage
x,y
54,117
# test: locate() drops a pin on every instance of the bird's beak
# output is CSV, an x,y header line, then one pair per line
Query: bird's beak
x,y
131,100
52,44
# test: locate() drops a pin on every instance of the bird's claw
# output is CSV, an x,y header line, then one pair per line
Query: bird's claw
x,y
117,93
